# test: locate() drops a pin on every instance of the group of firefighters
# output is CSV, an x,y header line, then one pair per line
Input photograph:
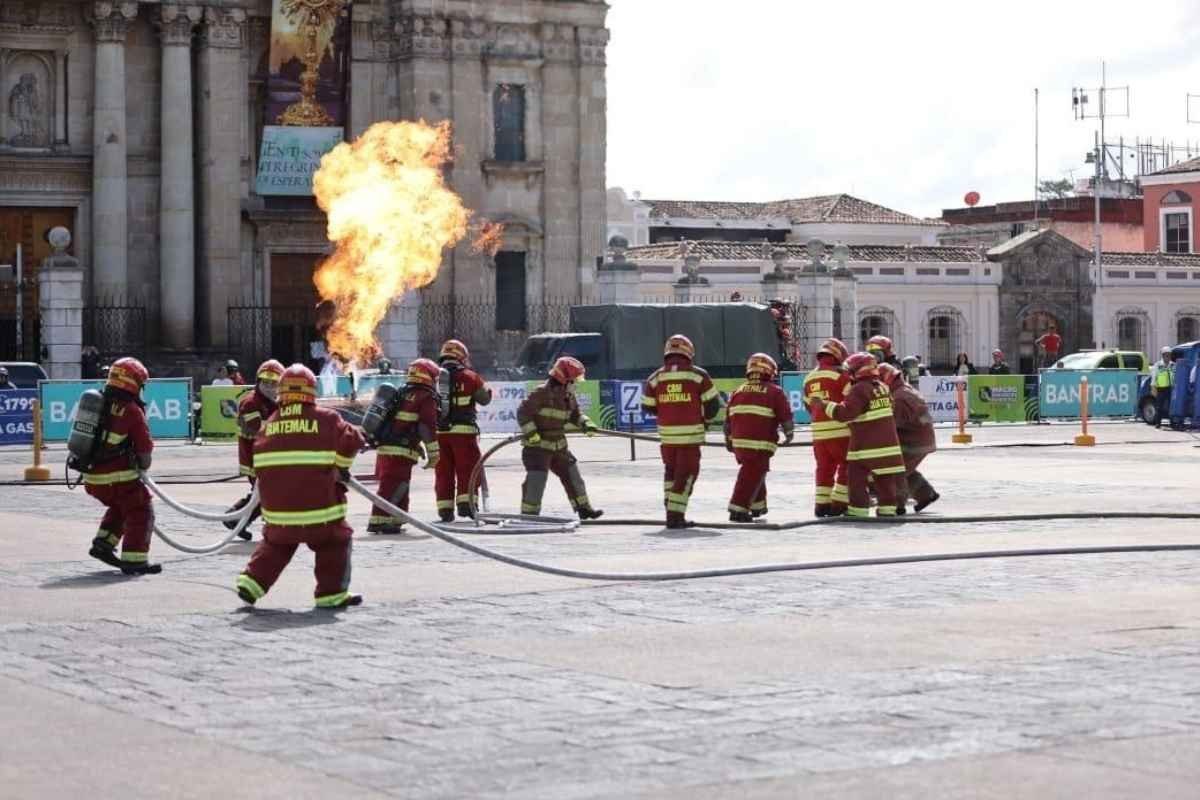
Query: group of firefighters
x,y
870,432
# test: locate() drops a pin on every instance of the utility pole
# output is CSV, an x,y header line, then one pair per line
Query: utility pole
x,y
1036,191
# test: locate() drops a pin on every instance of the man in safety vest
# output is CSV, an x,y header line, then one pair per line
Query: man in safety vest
x,y
543,418
874,446
914,427
301,455
458,432
125,448
412,433
683,398
1162,383
831,438
255,406
756,414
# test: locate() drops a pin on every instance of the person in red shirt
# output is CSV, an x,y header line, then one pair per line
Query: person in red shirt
x,y
756,414
125,448
411,433
683,398
253,407
458,432
301,456
831,438
1050,343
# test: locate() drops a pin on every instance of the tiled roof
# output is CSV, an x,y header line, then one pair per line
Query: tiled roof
x,y
1151,259
1191,165
842,208
798,252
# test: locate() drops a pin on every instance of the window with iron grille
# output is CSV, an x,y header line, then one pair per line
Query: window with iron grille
x,y
1129,333
1177,233
508,113
510,291
1187,329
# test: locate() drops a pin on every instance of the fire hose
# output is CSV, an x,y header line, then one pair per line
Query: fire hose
x,y
243,516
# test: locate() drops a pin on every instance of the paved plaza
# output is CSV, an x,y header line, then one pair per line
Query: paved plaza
x,y
461,677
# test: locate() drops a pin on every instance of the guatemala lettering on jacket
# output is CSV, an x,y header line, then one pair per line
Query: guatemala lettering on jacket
x,y
683,398
823,386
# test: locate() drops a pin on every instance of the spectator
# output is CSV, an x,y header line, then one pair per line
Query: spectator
x,y
999,365
4,381
234,372
222,378
964,366
1050,343
89,363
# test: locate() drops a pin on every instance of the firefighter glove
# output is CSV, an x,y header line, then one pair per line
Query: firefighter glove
x,y
589,427
788,435
533,439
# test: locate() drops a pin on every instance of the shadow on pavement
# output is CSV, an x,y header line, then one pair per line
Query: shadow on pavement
x,y
686,533
269,620
87,580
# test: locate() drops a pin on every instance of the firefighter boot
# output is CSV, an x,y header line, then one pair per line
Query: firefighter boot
x,y
758,512
446,514
351,600
233,523
740,516
587,512
676,521
919,507
103,550
385,528
822,510
464,511
141,568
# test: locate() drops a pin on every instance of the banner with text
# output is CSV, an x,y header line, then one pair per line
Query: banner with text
x,y
997,398
1111,392
168,406
941,396
16,416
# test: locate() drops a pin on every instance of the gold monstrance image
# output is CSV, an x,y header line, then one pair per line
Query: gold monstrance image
x,y
316,20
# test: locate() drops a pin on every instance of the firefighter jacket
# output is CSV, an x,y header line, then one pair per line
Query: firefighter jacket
x,y
126,444
868,411
756,413
825,385
467,390
547,411
914,425
297,457
414,425
253,408
683,398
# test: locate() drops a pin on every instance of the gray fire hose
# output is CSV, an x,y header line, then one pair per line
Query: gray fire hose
x,y
242,515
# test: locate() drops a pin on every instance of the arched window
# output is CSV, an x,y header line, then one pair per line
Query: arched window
x,y
876,321
1133,329
1187,328
945,337
837,319
1176,197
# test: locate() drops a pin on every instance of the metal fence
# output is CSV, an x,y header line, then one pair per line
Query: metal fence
x,y
475,322
116,328
257,333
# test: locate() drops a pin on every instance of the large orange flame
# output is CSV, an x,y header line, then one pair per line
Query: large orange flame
x,y
390,216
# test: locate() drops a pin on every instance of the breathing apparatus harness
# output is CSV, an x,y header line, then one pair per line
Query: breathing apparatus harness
x,y
86,443
377,421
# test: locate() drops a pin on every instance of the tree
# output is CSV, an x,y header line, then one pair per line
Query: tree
x,y
1057,189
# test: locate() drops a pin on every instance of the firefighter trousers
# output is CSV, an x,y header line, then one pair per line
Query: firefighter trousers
x,y
885,472
330,543
460,454
681,468
750,488
128,518
539,462
913,484
395,477
831,474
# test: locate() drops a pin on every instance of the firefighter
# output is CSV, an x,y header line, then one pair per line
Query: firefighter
x,y
914,427
757,412
253,408
412,433
113,479
543,418
458,432
874,447
881,348
826,383
301,455
683,398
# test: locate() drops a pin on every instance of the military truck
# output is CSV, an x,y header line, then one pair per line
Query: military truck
x,y
625,341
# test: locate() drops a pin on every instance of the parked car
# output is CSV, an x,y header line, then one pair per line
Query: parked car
x,y
1103,359
24,374
1180,353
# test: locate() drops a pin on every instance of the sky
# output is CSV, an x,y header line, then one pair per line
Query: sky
x,y
906,104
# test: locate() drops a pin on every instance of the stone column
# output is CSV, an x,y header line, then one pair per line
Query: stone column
x,y
561,192
399,333
60,304
815,289
176,211
109,185
593,111
469,102
60,100
619,280
222,83
845,294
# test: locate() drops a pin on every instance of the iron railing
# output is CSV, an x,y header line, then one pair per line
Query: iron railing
x,y
287,334
116,327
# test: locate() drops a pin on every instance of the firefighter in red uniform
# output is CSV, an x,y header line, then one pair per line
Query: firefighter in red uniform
x,y
831,438
874,447
757,412
253,408
300,454
683,398
543,418
458,432
113,479
411,434
881,348
914,426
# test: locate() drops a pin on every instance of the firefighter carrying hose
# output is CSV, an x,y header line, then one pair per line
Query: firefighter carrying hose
x,y
683,398
874,447
914,427
300,456
121,446
253,408
831,438
458,431
410,434
757,412
543,418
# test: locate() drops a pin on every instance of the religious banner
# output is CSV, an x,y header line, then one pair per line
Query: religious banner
x,y
306,93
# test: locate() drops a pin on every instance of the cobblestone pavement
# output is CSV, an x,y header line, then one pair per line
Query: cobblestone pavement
x,y
462,678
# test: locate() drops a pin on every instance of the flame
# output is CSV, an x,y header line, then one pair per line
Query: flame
x,y
489,239
390,215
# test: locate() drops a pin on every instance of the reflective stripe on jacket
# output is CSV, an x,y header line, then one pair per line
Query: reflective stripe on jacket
x,y
867,409
683,399
822,386
757,412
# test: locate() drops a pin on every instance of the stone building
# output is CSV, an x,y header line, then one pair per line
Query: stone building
x,y
136,125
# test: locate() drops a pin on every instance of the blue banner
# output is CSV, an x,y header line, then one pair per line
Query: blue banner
x,y
1111,392
793,384
168,406
16,416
